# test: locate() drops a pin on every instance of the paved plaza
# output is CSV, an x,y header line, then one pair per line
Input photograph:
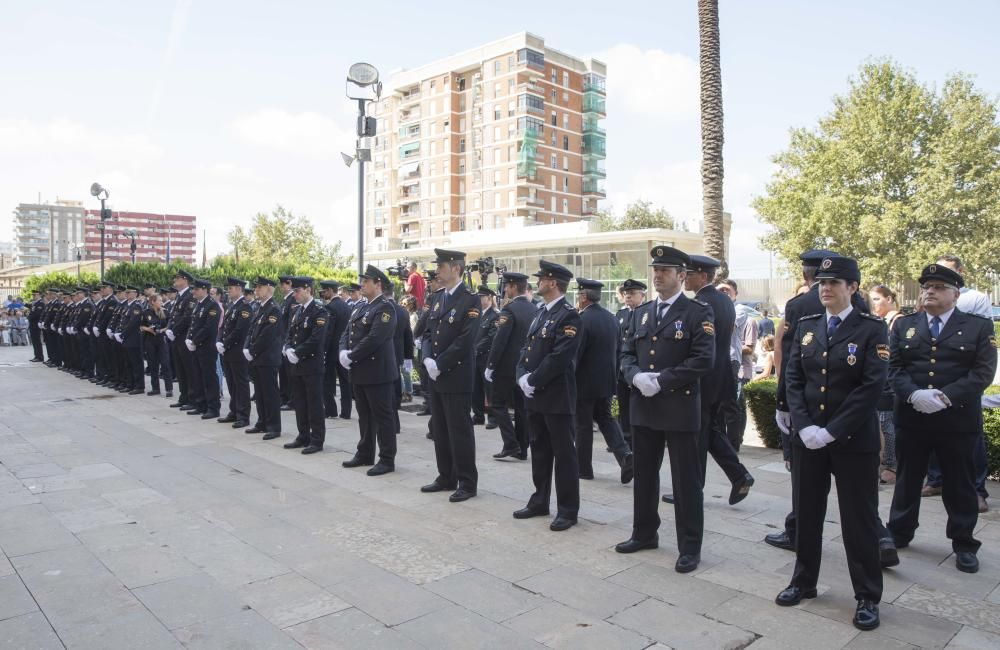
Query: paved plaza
x,y
126,524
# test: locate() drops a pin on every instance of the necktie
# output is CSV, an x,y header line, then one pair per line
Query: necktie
x,y
935,327
661,311
831,326
444,301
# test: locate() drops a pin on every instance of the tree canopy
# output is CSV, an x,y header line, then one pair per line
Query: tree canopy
x,y
897,174
283,237
638,215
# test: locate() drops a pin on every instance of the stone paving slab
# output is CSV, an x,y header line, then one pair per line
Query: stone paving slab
x,y
126,524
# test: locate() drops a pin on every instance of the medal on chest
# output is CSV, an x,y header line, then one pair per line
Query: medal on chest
x,y
545,328
451,316
679,329
851,349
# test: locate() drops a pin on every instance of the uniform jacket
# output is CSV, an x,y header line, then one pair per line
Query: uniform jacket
x,y
369,342
180,317
720,383
836,383
307,338
338,313
625,322
960,363
288,305
512,331
266,336
597,354
453,323
421,333
84,315
549,358
128,324
680,348
35,312
402,340
235,327
484,337
204,330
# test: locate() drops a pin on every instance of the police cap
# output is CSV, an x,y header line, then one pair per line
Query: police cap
x,y
552,270
669,256
941,273
839,268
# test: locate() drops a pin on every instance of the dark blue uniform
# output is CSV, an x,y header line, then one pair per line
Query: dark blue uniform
x,y
512,332
263,344
288,306
484,340
623,391
183,361
402,346
307,340
333,373
204,333
235,366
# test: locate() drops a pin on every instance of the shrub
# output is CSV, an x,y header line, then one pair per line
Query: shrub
x,y
991,431
762,401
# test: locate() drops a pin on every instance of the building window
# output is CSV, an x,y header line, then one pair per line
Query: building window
x,y
565,78
496,90
496,134
511,107
565,98
461,124
565,163
510,86
553,203
554,162
510,63
496,68
555,119
566,184
497,112
496,177
554,95
565,143
566,206
461,145
554,76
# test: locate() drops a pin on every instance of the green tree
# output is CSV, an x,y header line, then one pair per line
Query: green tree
x,y
282,237
895,175
710,73
638,215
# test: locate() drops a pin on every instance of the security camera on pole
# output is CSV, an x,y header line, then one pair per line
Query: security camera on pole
x,y
364,87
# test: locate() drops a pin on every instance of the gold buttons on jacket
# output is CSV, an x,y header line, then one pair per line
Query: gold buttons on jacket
x,y
652,352
654,338
930,374
651,366
822,389
933,360
822,407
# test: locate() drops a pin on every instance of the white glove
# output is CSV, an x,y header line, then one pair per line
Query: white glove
x,y
647,383
927,401
488,375
784,421
526,388
60,330
991,401
170,334
247,354
811,437
408,365
97,332
86,331
345,359
824,436
220,347
292,357
118,337
432,369
190,344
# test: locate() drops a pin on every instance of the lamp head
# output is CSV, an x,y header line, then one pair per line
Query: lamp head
x,y
362,74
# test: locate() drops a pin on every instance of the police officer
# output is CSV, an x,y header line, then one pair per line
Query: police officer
x,y
202,337
801,305
484,339
367,350
81,321
304,349
634,293
671,348
176,332
835,373
235,326
546,374
98,324
262,349
596,372
333,373
450,364
402,345
130,339
942,361
35,309
288,305
501,367
422,336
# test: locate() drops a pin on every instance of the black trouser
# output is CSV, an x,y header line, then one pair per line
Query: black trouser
x,y
36,341
732,420
69,350
267,398
307,399
125,364
454,440
346,390
479,393
503,395
689,514
375,423
597,410
397,401
956,454
133,355
100,356
234,368
553,452
208,379
713,441
425,379
284,385
150,345
330,383
624,392
51,346
857,494
184,370
166,365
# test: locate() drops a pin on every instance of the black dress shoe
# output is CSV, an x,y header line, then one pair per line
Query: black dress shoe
x,y
169,393
356,462
228,418
380,469
866,616
792,595
153,392
312,449
287,407
254,430
522,456
196,411
296,444
239,424
887,554
435,487
344,417
271,435
741,489
461,494
424,412
587,476
668,498
210,415
477,420
628,468
504,453
528,513
491,425
631,545
136,391
186,407
780,540
687,563
966,562
562,523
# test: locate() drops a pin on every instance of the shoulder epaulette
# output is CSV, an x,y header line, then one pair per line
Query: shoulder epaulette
x,y
645,303
569,306
873,317
700,302
810,317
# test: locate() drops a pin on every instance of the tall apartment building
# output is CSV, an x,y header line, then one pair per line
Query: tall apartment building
x,y
158,236
506,134
47,233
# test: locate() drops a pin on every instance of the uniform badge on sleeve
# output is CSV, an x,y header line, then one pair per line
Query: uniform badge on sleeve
x,y
708,328
272,319
385,317
883,351
472,313
321,321
244,314
569,331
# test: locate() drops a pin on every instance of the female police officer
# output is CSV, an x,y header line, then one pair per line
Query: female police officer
x,y
838,365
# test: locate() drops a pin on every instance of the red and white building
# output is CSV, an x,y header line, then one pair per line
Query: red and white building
x,y
159,237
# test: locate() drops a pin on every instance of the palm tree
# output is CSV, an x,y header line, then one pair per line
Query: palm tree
x,y
711,131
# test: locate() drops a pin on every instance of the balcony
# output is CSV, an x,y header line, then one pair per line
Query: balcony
x,y
410,194
594,83
411,97
409,114
594,102
531,61
409,151
409,132
408,216
594,146
594,168
591,124
593,187
531,87
525,201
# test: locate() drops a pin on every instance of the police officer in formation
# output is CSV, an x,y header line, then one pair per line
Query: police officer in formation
x,y
235,368
501,366
288,305
304,351
35,309
203,334
484,339
634,294
177,330
402,344
262,350
334,374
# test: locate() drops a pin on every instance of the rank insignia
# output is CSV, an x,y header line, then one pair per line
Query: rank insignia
x,y
321,321
501,320
244,314
272,319
807,339
135,312
910,333
679,327
569,331
708,328
852,348
212,312
472,313
385,317
883,351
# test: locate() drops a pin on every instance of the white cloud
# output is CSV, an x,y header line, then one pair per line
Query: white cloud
x,y
66,137
651,82
308,133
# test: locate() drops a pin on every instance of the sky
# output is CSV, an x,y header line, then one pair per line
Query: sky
x,y
223,109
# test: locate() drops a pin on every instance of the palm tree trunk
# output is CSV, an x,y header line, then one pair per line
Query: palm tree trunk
x,y
711,132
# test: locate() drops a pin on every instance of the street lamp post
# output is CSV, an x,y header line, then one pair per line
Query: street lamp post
x,y
364,87
102,194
